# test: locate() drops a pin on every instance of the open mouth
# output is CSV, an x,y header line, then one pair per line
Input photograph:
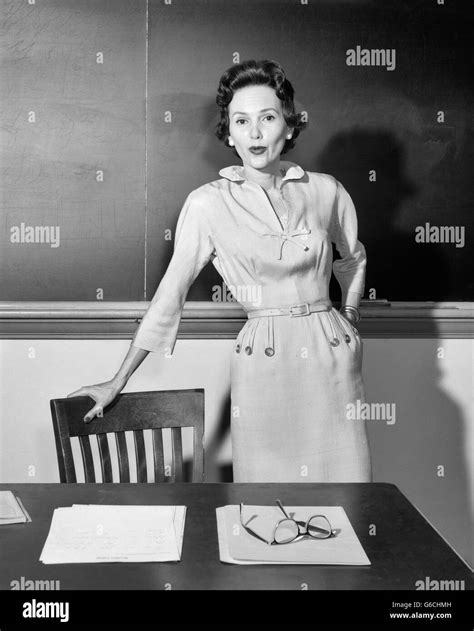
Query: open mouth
x,y
257,150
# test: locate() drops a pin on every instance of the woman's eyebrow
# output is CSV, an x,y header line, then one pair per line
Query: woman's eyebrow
x,y
267,109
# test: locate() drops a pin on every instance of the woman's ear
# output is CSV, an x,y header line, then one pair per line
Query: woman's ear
x,y
289,134
231,142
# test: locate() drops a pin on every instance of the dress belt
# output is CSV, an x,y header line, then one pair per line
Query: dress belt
x,y
294,311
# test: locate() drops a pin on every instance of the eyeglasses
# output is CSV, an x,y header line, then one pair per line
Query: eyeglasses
x,y
288,530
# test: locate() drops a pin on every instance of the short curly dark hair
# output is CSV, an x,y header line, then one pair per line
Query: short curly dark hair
x,y
263,72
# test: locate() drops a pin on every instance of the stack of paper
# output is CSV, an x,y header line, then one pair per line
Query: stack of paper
x,y
236,545
97,533
12,510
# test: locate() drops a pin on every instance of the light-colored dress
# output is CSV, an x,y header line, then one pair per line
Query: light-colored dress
x,y
292,378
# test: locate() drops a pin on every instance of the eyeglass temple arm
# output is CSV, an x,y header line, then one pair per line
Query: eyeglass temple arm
x,y
248,529
282,509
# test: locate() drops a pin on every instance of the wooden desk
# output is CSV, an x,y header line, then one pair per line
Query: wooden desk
x,y
404,550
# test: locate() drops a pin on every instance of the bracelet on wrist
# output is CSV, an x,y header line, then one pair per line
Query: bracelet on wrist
x,y
349,309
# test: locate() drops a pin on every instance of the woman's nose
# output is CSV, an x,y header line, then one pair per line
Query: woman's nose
x,y
255,131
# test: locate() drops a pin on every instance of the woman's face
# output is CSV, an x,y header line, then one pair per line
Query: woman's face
x,y
257,127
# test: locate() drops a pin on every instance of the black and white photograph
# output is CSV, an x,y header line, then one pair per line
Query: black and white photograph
x,y
236,313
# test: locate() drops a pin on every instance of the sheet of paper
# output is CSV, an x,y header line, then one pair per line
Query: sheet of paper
x,y
12,510
238,546
179,519
107,534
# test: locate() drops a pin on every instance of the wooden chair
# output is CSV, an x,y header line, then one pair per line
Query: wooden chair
x,y
133,411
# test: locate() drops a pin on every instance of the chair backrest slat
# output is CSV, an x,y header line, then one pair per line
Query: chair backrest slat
x,y
122,454
87,460
198,449
140,456
158,455
62,438
134,412
105,463
177,447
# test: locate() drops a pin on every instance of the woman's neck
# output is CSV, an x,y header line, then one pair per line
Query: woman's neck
x,y
267,180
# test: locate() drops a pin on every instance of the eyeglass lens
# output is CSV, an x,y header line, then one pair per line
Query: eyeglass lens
x,y
319,527
286,531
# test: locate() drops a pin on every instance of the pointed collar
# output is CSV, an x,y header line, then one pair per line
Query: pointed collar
x,y
236,173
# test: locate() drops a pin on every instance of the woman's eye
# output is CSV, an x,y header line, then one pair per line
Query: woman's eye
x,y
269,117
240,121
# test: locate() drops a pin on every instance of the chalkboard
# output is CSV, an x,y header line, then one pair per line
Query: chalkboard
x,y
73,150
108,113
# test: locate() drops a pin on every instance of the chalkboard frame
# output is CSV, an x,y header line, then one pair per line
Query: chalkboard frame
x,y
208,320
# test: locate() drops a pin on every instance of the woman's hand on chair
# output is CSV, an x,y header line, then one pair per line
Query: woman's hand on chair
x,y
102,393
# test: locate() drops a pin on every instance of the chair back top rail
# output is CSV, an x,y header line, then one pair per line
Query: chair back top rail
x,y
132,411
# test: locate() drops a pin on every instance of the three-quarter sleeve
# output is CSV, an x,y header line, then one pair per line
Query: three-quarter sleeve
x,y
193,248
349,270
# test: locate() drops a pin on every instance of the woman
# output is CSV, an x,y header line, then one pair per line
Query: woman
x,y
267,226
